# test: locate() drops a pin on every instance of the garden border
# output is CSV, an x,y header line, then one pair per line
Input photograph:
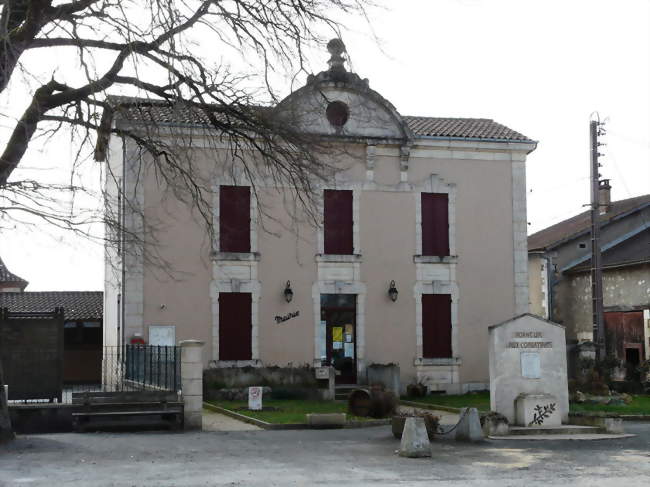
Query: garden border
x,y
624,417
289,426
433,407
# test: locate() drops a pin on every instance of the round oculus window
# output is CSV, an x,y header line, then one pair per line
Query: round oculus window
x,y
337,113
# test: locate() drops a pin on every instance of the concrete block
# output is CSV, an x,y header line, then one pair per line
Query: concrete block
x,y
608,425
469,426
326,420
386,375
537,410
613,425
495,425
415,441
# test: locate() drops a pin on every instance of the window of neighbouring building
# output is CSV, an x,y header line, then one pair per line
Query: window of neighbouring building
x,y
436,326
234,219
435,224
338,222
235,326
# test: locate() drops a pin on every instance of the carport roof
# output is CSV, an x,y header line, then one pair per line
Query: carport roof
x,y
77,305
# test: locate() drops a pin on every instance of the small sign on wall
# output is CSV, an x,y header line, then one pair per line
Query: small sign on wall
x,y
162,335
255,398
322,373
530,365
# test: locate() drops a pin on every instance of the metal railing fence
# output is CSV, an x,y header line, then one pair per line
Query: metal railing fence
x,y
122,368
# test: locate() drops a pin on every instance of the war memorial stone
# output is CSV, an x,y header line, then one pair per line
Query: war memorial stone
x,y
528,371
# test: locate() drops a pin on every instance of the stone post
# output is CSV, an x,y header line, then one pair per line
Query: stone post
x,y
6,433
192,383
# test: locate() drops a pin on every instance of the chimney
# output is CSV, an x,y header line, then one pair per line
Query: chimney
x,y
604,196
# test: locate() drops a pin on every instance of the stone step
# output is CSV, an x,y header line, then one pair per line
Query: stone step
x,y
341,392
565,429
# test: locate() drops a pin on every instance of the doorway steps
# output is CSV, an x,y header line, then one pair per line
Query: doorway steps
x,y
342,392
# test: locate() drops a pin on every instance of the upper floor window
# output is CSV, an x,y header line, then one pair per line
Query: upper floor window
x,y
234,219
338,222
435,224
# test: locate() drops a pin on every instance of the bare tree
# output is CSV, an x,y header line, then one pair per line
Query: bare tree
x,y
155,49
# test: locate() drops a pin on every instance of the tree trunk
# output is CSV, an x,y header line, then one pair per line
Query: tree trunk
x,y
6,433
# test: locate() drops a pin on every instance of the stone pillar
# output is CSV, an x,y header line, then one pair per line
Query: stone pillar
x,y
192,383
6,433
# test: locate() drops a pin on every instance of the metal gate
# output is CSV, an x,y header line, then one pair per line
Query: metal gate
x,y
31,351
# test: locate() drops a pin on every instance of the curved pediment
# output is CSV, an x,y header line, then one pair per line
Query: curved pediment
x,y
338,103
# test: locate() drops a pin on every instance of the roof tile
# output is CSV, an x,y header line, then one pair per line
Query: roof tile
x,y
77,305
577,224
143,110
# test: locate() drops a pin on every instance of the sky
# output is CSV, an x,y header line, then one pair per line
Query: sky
x,y
541,67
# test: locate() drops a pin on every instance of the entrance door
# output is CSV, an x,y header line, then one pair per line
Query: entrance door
x,y
632,362
338,317
624,329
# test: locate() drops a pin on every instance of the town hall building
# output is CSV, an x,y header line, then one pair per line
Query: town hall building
x,y
420,247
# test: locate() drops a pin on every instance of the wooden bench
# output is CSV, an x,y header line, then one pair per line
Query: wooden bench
x,y
132,410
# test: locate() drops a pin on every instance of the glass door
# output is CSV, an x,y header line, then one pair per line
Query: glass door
x,y
338,322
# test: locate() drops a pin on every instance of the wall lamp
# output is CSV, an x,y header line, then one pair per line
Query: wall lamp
x,y
392,291
288,293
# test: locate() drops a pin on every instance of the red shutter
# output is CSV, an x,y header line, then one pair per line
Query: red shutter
x,y
436,326
234,219
435,224
235,327
338,222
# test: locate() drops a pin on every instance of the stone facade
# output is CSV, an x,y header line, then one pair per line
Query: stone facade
x,y
387,161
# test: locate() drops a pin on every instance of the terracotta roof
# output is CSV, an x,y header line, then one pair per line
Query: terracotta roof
x,y
139,109
77,305
470,128
9,277
574,226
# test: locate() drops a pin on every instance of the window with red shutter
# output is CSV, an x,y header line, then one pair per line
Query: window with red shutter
x,y
235,326
435,224
338,222
234,219
436,326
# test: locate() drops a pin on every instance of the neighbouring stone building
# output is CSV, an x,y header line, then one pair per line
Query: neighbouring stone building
x,y
560,280
421,244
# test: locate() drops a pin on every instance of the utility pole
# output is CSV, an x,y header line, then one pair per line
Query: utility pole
x,y
595,130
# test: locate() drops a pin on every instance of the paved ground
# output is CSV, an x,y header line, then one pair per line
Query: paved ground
x,y
350,457
218,422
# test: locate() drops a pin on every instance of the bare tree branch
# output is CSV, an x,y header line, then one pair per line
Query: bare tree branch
x,y
148,47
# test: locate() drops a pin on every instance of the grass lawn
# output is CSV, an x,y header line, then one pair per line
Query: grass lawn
x,y
479,400
289,411
640,405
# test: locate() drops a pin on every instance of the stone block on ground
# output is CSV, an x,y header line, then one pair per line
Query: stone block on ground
x,y
469,426
415,441
537,410
495,424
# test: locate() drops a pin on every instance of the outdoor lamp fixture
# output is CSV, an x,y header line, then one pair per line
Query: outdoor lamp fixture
x,y
392,291
288,293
